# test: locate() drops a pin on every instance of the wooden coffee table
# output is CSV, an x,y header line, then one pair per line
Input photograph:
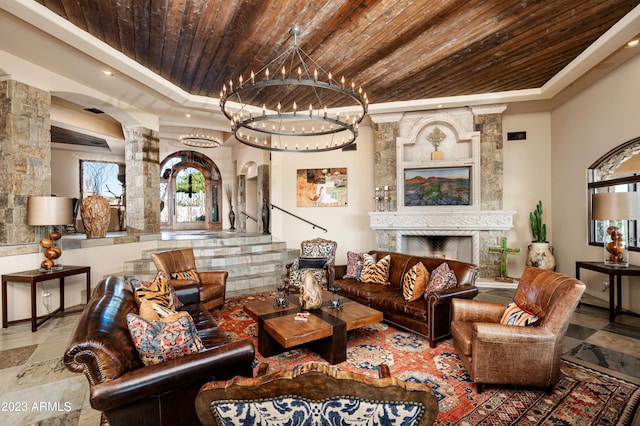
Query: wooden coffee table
x,y
325,330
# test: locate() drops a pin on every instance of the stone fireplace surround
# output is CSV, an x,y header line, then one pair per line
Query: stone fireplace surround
x,y
473,138
481,226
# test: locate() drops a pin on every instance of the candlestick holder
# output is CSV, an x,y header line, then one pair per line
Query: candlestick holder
x,y
386,199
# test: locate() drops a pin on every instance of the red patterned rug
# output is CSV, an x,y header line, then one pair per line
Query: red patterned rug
x,y
582,397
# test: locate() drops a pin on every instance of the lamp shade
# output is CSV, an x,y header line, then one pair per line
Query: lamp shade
x,y
49,211
615,206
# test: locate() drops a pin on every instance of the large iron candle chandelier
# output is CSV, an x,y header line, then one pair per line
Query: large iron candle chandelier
x,y
286,99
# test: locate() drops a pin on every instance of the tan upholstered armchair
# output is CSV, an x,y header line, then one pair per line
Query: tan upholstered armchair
x,y
316,393
179,263
494,353
317,256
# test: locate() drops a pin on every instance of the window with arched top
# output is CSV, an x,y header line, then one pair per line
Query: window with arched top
x,y
616,171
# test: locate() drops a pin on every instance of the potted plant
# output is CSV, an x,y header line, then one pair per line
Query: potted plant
x,y
540,251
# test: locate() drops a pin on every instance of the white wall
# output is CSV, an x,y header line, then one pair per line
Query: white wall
x,y
103,261
527,179
586,127
348,226
65,169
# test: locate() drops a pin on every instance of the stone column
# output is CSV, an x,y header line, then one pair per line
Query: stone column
x,y
384,174
386,131
25,156
488,121
142,158
264,199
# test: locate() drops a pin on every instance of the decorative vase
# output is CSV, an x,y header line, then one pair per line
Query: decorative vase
x,y
232,218
96,213
541,256
310,292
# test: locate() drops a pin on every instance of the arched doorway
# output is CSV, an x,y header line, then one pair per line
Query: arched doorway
x,y
190,188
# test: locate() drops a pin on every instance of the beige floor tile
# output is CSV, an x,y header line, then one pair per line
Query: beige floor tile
x,y
616,342
51,349
588,320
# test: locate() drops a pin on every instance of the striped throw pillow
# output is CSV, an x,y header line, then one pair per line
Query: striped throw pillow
x,y
414,282
376,273
515,315
189,274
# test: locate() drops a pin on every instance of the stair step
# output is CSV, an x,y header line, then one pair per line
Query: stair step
x,y
253,261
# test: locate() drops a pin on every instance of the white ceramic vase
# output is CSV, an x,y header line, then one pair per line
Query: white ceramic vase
x,y
541,256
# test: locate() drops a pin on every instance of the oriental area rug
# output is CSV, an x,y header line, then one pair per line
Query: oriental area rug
x,y
582,396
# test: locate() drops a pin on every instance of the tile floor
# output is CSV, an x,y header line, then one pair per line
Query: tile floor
x,y
38,390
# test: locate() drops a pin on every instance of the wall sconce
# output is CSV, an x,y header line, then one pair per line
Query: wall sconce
x,y
47,212
616,209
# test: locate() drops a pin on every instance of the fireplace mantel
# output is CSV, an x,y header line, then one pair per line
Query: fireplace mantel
x,y
451,220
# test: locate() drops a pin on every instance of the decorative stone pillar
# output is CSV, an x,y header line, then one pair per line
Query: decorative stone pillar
x,y
25,156
386,131
142,158
264,199
488,121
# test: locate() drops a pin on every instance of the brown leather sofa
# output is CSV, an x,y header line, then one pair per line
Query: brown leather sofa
x,y
429,316
122,387
529,356
212,285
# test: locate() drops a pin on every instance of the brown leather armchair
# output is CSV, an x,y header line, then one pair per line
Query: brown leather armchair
x,y
212,284
494,353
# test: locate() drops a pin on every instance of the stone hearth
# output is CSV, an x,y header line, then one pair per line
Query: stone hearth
x,y
483,227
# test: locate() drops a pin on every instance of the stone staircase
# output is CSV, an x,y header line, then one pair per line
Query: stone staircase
x,y
254,261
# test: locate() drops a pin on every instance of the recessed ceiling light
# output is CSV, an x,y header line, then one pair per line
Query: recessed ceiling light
x,y
633,43
109,73
188,115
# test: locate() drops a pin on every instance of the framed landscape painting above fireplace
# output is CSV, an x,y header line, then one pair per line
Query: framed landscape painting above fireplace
x,y
437,186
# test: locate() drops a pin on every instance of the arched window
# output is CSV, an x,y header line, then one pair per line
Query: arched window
x,y
616,171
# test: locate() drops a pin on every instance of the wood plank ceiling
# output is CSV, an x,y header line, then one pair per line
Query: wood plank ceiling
x,y
398,50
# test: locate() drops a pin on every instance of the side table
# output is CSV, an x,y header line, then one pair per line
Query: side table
x,y
35,276
612,271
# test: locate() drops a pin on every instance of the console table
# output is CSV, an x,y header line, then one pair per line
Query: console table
x,y
35,276
612,271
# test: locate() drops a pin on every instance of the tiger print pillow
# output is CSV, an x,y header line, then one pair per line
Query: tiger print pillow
x,y
157,291
414,282
376,273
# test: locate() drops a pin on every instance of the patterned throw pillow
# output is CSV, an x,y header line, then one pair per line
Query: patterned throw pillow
x,y
414,282
354,265
514,315
146,310
160,341
189,274
376,273
153,311
157,291
442,278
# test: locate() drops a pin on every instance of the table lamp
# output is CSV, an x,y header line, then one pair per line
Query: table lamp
x,y
616,209
47,212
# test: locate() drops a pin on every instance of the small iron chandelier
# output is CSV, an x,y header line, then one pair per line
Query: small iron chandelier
x,y
199,139
269,111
